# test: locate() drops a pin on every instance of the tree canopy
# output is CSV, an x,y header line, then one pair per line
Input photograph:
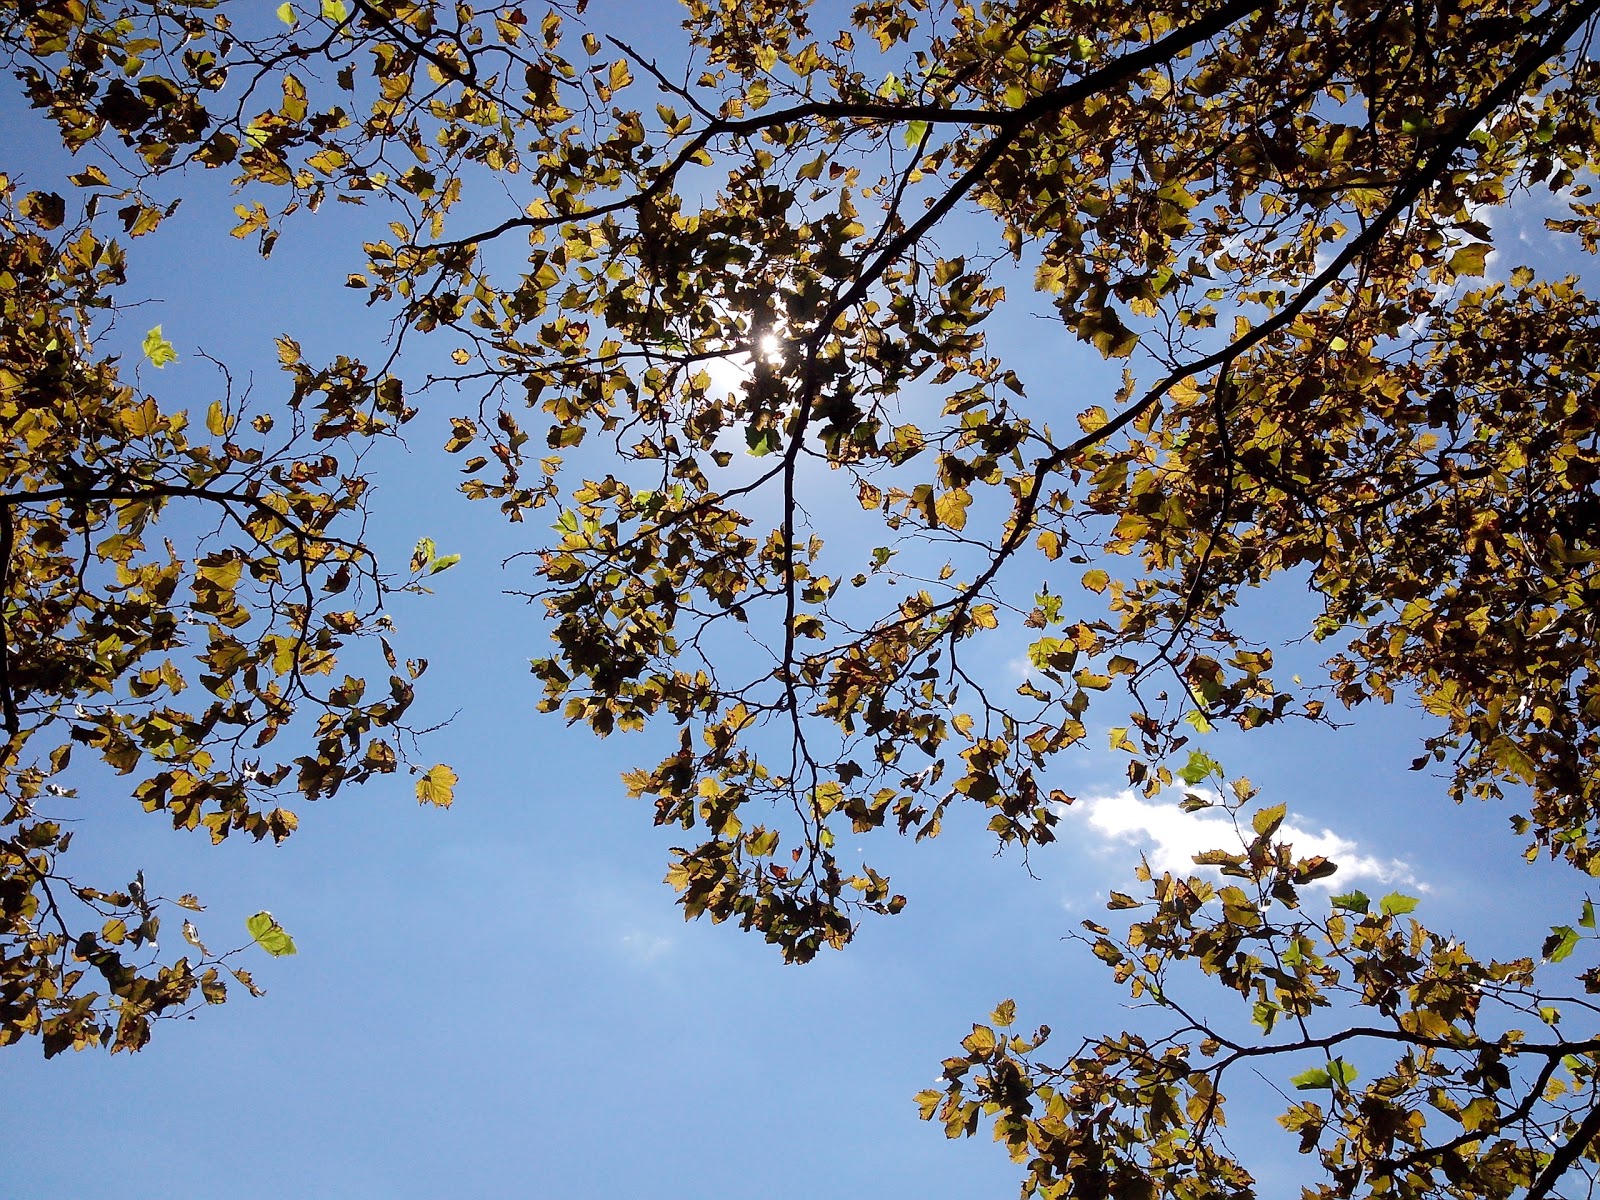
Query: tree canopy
x,y
729,317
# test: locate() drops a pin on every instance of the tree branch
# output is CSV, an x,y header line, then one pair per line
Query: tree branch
x,y
1563,1158
8,700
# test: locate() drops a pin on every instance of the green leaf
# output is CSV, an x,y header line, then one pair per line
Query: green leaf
x,y
914,133
1587,919
335,10
1558,947
442,563
157,349
762,440
1395,904
1199,766
269,935
1337,1073
1265,1014
1198,721
1356,901
286,14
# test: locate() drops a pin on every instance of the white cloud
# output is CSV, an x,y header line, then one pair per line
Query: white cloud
x,y
643,947
1171,838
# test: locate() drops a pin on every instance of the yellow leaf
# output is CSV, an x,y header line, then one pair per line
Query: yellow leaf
x,y
142,420
219,421
157,349
980,1042
951,508
1471,260
437,787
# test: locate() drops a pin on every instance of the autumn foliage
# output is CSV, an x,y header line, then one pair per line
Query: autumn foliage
x,y
731,343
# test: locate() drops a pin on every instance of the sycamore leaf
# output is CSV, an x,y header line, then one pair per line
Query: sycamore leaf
x,y
762,440
192,936
1356,901
1337,1073
286,14
1395,904
157,349
1199,766
1265,1014
269,935
1558,947
443,563
219,422
437,786
1266,822
980,1042
1470,260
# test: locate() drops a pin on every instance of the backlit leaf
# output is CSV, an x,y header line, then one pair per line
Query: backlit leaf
x,y
157,349
1395,904
269,935
437,786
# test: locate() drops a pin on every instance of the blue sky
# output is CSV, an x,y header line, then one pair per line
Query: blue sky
x,y
500,1000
